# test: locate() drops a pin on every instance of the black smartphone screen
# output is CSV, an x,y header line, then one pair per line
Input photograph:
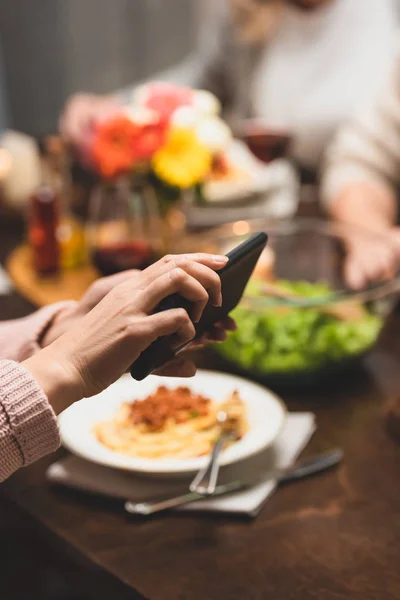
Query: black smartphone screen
x,y
234,278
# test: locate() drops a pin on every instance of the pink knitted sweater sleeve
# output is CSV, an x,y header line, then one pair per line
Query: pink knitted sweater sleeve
x,y
28,425
19,339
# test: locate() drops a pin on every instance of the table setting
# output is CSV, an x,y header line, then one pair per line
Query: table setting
x,y
306,523
311,471
275,440
298,322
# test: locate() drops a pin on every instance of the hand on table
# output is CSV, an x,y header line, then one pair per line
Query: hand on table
x,y
372,260
104,342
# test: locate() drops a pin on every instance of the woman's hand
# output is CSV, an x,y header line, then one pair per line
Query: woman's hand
x,y
72,315
182,366
102,346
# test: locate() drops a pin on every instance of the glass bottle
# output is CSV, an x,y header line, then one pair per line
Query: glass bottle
x,y
43,222
70,233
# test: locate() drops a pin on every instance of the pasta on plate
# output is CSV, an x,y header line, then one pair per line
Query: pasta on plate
x,y
171,423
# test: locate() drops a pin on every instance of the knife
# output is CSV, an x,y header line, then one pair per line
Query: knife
x,y
301,469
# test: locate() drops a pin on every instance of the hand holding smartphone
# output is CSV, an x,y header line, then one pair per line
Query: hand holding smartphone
x,y
234,278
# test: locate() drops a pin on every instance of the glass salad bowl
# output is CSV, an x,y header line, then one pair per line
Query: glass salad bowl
x,y
298,317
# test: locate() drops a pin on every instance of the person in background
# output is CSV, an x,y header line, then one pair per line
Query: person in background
x,y
301,65
360,182
69,351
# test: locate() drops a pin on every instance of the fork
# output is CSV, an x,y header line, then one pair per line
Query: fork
x,y
206,479
298,471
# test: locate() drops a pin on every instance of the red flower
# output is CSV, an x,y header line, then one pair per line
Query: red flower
x,y
148,139
165,98
113,146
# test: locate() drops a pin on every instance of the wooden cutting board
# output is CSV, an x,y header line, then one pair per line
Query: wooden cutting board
x,y
68,285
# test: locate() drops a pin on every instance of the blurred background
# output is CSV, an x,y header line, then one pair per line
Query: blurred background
x,y
52,49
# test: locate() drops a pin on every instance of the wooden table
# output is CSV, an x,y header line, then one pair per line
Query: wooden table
x,y
331,538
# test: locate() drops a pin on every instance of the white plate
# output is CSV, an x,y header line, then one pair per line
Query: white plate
x,y
266,415
271,192
257,177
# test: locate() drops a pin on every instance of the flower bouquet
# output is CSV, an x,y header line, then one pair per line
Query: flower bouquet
x,y
169,134
165,141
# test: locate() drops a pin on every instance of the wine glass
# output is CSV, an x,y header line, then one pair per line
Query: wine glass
x,y
124,228
265,141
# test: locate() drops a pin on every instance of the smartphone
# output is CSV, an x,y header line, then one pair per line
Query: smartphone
x,y
234,278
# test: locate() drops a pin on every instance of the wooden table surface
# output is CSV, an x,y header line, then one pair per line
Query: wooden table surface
x,y
333,537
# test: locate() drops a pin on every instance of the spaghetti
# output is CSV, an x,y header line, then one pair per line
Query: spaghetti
x,y
171,423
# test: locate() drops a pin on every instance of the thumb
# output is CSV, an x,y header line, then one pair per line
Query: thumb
x,y
179,367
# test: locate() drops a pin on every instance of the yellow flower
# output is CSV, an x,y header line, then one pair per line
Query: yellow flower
x,y
183,161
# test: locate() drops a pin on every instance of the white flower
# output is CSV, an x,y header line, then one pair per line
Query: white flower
x,y
206,103
141,115
214,134
186,117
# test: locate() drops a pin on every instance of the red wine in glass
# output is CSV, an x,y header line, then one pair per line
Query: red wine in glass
x,y
266,143
121,256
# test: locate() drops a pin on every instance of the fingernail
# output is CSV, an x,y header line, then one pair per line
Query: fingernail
x,y
218,303
196,316
219,260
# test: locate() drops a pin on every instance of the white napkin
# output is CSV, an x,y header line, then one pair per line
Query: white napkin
x,y
78,473
5,283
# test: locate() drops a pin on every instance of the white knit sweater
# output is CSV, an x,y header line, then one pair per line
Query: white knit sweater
x,y
321,66
367,149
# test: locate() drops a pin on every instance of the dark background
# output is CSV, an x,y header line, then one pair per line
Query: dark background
x,y
53,48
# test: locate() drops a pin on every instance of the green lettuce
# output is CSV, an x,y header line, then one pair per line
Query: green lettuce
x,y
276,340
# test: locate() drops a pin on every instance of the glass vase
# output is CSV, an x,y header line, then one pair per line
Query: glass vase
x,y
172,206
